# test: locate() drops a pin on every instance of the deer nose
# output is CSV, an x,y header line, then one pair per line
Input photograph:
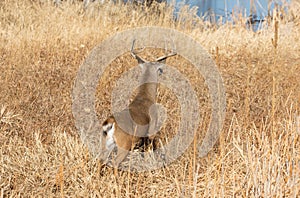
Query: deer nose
x,y
160,71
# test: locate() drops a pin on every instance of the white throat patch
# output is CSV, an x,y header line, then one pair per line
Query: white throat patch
x,y
110,142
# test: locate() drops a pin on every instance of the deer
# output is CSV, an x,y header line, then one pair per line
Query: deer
x,y
138,122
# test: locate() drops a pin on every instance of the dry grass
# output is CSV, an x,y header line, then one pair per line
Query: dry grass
x,y
42,47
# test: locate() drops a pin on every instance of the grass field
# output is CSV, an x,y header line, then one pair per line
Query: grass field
x,y
41,153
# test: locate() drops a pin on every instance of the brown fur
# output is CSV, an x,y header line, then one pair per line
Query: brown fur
x,y
142,126
139,110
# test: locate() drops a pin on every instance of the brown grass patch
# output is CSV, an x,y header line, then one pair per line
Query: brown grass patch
x,y
41,49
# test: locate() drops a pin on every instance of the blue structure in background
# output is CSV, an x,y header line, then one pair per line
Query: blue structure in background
x,y
221,11
214,10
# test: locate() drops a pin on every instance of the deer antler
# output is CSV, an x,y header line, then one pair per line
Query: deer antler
x,y
133,53
166,56
163,58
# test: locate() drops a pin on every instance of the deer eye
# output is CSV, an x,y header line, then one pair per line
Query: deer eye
x,y
160,71
106,129
104,133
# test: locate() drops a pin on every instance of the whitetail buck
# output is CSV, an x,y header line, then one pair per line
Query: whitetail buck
x,y
127,128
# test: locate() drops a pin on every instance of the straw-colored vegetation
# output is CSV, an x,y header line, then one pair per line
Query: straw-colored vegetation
x,y
41,49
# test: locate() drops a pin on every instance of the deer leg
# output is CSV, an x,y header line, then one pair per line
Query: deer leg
x,y
121,155
123,149
153,128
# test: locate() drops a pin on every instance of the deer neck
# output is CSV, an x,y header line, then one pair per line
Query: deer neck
x,y
147,91
148,86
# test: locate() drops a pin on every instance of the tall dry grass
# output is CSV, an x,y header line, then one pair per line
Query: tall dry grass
x,y
42,47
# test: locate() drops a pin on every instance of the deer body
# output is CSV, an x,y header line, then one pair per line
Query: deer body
x,y
129,127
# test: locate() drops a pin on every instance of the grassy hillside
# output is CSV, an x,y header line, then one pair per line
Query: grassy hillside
x,y
42,47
